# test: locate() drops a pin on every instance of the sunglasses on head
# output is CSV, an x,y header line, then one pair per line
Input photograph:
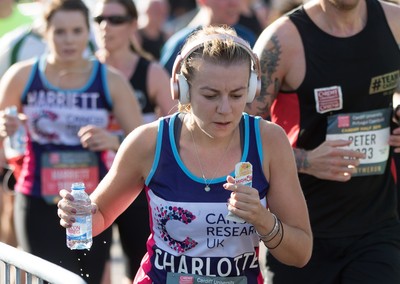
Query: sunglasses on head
x,y
114,20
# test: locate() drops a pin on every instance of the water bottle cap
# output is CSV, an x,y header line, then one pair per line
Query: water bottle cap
x,y
11,110
78,186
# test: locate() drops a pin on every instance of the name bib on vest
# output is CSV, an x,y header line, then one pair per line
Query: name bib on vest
x,y
181,278
369,132
62,168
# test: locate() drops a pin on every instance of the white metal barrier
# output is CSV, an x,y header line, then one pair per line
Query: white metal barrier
x,y
35,268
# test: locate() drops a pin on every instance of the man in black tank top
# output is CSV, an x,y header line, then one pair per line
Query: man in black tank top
x,y
329,71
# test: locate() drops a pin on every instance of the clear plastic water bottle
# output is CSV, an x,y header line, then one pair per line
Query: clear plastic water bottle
x,y
16,143
79,236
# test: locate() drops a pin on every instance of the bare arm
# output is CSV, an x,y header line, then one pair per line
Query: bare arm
x,y
285,199
329,160
123,182
159,89
12,85
392,12
268,49
126,111
126,108
279,49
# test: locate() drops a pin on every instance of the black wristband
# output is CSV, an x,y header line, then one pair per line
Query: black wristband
x,y
280,240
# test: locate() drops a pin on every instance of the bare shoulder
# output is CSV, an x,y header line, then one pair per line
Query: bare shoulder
x,y
280,50
113,74
156,69
16,77
21,69
117,82
144,134
281,34
272,132
392,12
390,7
157,75
139,146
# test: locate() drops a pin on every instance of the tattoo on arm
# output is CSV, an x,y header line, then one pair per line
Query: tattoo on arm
x,y
301,159
269,62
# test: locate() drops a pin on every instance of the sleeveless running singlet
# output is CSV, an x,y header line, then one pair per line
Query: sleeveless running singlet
x,y
55,157
139,83
191,239
346,94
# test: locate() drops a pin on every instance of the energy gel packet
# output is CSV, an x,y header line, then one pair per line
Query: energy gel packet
x,y
243,175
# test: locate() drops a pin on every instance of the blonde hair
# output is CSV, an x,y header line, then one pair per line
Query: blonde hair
x,y
219,50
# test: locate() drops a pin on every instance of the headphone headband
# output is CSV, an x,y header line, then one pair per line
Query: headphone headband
x,y
177,80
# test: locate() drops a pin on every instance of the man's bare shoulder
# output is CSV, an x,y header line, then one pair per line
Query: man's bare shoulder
x,y
283,34
280,50
281,28
392,12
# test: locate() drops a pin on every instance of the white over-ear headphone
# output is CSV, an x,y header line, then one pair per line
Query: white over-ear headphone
x,y
179,84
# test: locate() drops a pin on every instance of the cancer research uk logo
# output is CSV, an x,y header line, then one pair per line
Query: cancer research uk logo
x,y
167,213
40,120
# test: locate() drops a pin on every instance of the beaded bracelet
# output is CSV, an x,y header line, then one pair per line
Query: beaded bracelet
x,y
275,230
280,241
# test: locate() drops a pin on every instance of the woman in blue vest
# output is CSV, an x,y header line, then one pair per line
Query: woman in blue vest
x,y
59,94
217,180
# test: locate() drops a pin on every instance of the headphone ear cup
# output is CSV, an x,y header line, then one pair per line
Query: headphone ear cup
x,y
183,88
253,86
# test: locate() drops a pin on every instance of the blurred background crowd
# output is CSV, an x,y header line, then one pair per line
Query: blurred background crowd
x,y
158,30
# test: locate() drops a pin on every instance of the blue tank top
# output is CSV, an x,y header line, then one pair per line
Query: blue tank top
x,y
55,157
189,232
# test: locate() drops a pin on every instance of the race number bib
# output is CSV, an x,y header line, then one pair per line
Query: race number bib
x,y
369,132
181,278
62,168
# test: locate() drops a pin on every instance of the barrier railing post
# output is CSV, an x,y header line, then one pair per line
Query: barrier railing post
x,y
35,266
